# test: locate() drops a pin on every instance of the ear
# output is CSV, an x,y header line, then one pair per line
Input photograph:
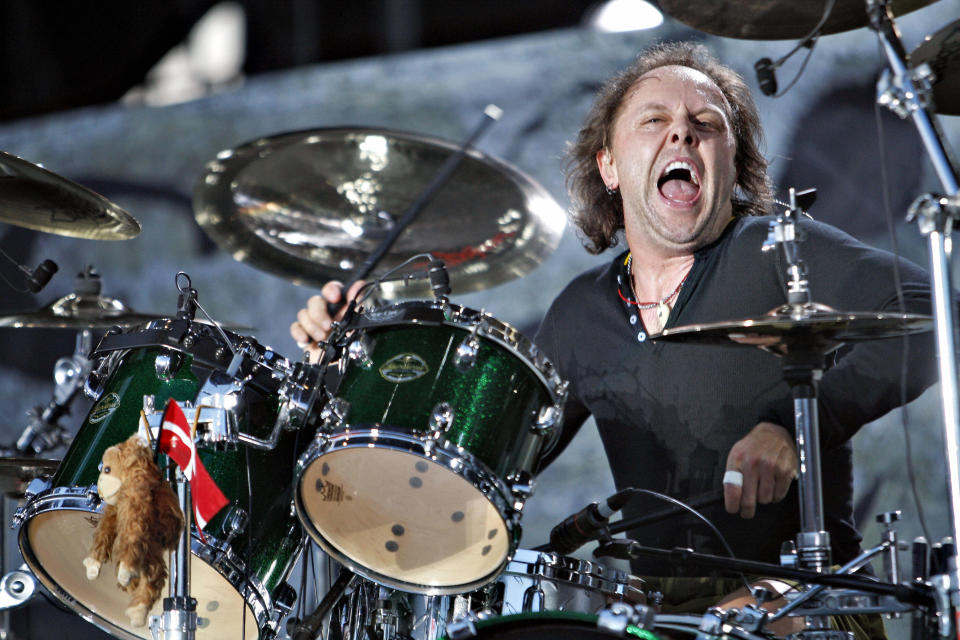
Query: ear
x,y
608,170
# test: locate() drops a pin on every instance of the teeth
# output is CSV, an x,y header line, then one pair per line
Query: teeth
x,y
679,164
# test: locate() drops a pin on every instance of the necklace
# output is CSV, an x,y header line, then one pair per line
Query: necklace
x,y
662,306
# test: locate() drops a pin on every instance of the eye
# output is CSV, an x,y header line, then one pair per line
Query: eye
x,y
106,470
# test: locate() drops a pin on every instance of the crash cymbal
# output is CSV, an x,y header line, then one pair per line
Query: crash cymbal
x,y
16,473
775,19
310,206
32,197
87,311
813,327
942,52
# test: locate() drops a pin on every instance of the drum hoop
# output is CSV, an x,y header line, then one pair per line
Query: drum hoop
x,y
437,313
572,571
163,333
452,457
78,499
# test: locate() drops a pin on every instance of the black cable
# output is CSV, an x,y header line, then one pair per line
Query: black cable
x,y
904,352
633,491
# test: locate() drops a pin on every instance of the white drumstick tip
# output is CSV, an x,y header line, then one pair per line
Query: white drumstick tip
x,y
493,112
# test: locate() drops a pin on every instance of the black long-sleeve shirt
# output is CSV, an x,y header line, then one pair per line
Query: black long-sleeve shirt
x,y
668,413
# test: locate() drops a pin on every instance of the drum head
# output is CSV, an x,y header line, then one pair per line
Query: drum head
x,y
54,544
403,520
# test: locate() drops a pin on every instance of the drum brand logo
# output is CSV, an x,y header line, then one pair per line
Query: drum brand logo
x,y
102,410
404,367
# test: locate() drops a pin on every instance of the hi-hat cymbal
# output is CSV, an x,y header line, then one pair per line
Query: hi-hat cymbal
x,y
32,197
86,311
15,473
814,328
775,19
942,52
310,206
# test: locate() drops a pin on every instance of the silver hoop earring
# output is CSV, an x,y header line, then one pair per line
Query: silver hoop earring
x,y
612,191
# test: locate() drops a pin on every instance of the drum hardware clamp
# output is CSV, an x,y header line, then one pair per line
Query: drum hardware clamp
x,y
619,615
466,626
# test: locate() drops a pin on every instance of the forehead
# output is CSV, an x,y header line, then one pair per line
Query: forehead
x,y
678,82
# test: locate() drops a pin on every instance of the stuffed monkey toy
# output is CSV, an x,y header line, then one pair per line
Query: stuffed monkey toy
x,y
142,520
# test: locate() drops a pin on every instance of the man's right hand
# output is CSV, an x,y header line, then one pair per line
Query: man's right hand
x,y
314,322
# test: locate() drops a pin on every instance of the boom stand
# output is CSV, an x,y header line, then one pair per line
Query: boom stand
x,y
906,92
179,619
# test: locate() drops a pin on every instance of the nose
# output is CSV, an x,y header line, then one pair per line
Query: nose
x,y
683,132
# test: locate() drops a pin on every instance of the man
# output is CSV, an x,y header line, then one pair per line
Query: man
x,y
669,157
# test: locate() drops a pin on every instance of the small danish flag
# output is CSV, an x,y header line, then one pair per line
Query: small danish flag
x,y
176,442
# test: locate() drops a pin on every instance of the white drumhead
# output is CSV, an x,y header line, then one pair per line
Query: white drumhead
x,y
404,517
58,542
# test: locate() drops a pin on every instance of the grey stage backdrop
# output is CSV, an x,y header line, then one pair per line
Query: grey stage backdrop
x,y
821,134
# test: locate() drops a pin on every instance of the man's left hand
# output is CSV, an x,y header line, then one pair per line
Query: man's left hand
x,y
767,458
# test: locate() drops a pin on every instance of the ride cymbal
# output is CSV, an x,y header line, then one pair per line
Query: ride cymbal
x,y
942,52
32,197
812,328
311,206
775,19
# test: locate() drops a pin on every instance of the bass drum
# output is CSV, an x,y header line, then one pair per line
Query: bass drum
x,y
239,566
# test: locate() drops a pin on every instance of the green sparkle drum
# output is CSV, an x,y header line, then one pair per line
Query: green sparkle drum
x,y
616,621
238,569
548,625
418,476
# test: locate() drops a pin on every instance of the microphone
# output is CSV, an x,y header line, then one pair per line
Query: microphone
x,y
766,76
590,523
39,277
439,278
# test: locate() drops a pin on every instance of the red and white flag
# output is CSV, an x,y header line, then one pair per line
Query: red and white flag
x,y
176,442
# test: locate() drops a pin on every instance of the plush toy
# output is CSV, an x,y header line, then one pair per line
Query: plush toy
x,y
141,521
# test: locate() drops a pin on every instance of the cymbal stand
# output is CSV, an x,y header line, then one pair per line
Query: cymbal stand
x,y
179,618
906,92
803,364
43,432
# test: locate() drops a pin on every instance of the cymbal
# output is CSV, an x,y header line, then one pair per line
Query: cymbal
x,y
15,473
942,52
775,19
811,328
311,206
32,197
86,311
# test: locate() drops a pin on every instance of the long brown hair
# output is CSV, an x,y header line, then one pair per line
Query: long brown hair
x,y
600,215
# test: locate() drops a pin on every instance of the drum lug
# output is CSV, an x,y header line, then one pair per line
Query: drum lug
x,y
619,615
166,365
467,350
441,418
234,524
521,485
359,350
334,413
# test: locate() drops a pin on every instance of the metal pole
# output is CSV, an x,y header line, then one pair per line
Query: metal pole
x,y
179,620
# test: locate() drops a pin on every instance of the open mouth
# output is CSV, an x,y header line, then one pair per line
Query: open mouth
x,y
679,182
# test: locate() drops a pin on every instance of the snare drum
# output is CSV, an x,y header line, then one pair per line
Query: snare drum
x,y
238,571
417,478
534,581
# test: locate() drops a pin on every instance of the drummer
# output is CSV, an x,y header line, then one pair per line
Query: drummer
x,y
669,160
